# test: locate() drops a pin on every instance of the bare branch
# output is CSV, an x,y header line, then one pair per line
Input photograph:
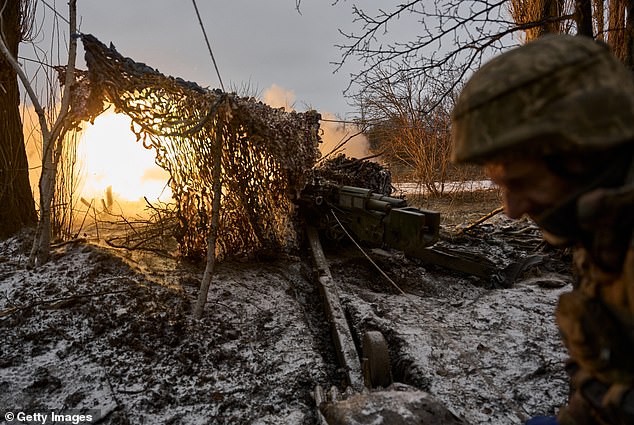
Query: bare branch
x,y
27,86
455,37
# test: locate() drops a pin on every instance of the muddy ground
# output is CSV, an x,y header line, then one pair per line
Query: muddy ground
x,y
111,332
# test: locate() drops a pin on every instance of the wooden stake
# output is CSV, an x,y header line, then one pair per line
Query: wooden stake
x,y
482,219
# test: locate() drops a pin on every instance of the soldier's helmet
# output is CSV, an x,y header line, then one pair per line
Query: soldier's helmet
x,y
556,94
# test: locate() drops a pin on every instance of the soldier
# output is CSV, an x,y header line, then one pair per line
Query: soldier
x,y
553,124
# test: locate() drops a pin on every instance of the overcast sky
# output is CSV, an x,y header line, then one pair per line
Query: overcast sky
x,y
259,43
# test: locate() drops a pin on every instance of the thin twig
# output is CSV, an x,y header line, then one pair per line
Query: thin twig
x,y
14,309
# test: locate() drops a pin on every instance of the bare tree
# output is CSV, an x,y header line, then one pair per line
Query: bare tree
x,y
611,22
16,200
405,88
456,36
53,135
544,13
405,133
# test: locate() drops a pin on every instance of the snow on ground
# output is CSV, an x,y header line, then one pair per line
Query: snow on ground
x,y
410,188
86,331
93,329
491,357
491,354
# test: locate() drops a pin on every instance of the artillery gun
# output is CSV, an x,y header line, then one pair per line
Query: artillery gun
x,y
349,198
336,211
382,221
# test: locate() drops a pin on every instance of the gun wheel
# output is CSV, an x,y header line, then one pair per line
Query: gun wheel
x,y
376,360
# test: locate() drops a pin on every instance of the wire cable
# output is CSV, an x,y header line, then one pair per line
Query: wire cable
x,y
372,261
24,58
59,15
211,53
55,12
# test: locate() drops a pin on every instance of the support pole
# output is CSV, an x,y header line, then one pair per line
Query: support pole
x,y
215,218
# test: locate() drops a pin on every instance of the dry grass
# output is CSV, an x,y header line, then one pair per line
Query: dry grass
x,y
459,207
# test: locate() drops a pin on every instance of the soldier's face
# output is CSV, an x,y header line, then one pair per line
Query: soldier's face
x,y
528,186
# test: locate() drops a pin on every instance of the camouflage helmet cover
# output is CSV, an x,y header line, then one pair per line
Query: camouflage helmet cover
x,y
559,93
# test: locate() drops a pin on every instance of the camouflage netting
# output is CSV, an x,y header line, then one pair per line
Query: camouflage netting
x,y
346,171
266,153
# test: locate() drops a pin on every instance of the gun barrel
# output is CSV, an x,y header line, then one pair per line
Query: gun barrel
x,y
364,199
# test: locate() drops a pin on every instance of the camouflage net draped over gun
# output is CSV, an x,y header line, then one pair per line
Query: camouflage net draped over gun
x,y
342,170
266,153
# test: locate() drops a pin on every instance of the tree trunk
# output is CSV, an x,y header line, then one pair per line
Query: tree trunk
x,y
199,308
540,16
616,28
599,18
583,17
551,9
629,35
17,208
51,150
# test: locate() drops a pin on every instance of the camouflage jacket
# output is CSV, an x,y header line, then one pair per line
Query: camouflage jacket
x,y
596,318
